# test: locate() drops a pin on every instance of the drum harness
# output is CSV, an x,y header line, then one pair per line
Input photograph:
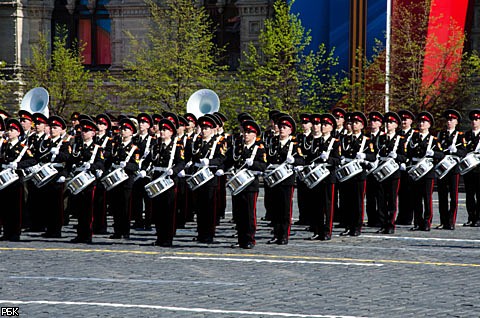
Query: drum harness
x,y
254,153
92,159
19,157
290,149
170,161
429,147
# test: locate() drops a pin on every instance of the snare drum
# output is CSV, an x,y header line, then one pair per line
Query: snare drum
x,y
469,163
114,178
316,175
201,177
385,169
30,171
240,181
349,170
446,165
421,169
305,171
46,173
80,182
7,177
158,186
274,177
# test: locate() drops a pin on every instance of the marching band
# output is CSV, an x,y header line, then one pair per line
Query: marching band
x,y
164,169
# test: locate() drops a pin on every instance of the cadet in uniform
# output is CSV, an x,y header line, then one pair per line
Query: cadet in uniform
x,y
405,206
355,147
167,160
472,178
423,145
390,145
283,150
320,199
374,190
58,146
85,156
208,152
105,141
14,155
304,141
125,155
451,141
253,157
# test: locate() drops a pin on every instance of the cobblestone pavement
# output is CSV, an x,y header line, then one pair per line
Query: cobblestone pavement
x,y
408,274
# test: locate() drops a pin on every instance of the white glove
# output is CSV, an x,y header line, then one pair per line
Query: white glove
x,y
142,174
324,156
61,179
360,155
169,172
429,153
86,165
219,173
98,173
403,167
392,155
204,162
452,149
249,162
290,159
342,160
13,165
122,164
54,151
181,174
298,168
188,165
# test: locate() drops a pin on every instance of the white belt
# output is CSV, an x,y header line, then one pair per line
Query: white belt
x,y
415,159
160,169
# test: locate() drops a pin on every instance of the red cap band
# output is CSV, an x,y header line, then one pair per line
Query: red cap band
x,y
286,123
167,126
127,125
103,121
56,123
249,127
327,121
424,118
14,126
207,123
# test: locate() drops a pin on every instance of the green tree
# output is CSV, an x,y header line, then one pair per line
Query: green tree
x,y
176,58
279,73
70,85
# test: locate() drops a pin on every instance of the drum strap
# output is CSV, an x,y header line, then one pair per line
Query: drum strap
x,y
130,153
430,142
212,153
104,143
94,154
172,153
362,146
395,146
25,148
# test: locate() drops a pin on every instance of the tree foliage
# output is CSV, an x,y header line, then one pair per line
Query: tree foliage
x,y
70,85
279,72
176,58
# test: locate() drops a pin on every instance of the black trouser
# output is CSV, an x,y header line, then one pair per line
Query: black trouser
x,y
422,191
120,204
304,217
139,196
37,217
244,206
320,201
206,218
388,202
83,203
405,204
53,207
181,203
11,211
448,186
373,194
100,209
281,200
221,198
353,194
267,202
163,210
472,195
